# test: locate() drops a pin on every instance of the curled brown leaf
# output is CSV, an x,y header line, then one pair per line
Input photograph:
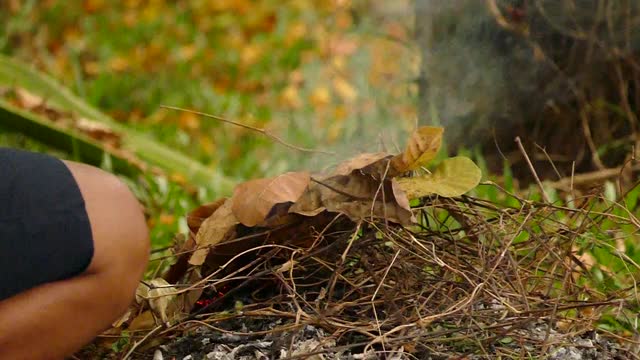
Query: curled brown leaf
x,y
423,147
253,200
212,231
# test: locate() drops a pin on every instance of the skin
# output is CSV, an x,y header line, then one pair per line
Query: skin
x,y
54,320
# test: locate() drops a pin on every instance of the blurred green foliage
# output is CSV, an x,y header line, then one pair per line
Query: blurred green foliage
x,y
332,74
301,68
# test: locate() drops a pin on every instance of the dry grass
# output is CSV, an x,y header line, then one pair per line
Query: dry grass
x,y
473,278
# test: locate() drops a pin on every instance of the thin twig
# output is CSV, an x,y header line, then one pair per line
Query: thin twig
x,y
533,170
573,175
252,128
553,165
588,178
138,343
340,191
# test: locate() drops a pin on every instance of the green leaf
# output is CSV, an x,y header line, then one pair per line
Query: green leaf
x,y
453,177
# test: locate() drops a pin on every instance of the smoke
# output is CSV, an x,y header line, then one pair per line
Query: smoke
x,y
464,73
489,70
368,77
502,66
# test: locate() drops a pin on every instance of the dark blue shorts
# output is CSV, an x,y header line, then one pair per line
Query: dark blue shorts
x,y
45,234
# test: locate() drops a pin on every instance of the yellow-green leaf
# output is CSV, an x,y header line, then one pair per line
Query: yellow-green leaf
x,y
454,177
423,147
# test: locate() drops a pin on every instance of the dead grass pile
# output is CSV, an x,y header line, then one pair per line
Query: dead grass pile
x,y
468,278
386,256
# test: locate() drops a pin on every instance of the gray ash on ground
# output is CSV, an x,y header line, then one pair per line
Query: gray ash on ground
x,y
249,342
310,342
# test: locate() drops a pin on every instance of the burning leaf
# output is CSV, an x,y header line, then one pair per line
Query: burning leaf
x,y
423,147
253,200
454,177
368,163
213,230
354,196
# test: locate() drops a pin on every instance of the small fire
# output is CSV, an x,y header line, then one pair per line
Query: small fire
x,y
217,294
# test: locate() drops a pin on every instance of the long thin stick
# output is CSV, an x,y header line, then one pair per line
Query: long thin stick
x,y
533,170
252,128
138,343
570,182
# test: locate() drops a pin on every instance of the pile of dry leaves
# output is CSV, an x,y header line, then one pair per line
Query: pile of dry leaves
x,y
384,257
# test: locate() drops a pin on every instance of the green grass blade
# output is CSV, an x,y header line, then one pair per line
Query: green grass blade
x,y
83,148
17,74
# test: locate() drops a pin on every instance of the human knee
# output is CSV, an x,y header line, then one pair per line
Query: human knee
x,y
119,229
121,242
130,232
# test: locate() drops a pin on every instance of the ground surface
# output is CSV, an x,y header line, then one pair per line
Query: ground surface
x,y
204,343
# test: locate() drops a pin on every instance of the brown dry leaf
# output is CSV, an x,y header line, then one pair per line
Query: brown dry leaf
x,y
34,103
196,217
189,121
320,98
423,147
183,249
98,131
253,200
188,299
290,97
399,195
28,100
369,163
144,321
310,203
124,318
92,6
344,89
213,230
119,63
161,298
354,196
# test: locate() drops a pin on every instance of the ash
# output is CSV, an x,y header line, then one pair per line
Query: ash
x,y
254,340
310,342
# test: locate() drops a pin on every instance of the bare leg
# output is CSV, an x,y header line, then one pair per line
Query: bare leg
x,y
56,319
